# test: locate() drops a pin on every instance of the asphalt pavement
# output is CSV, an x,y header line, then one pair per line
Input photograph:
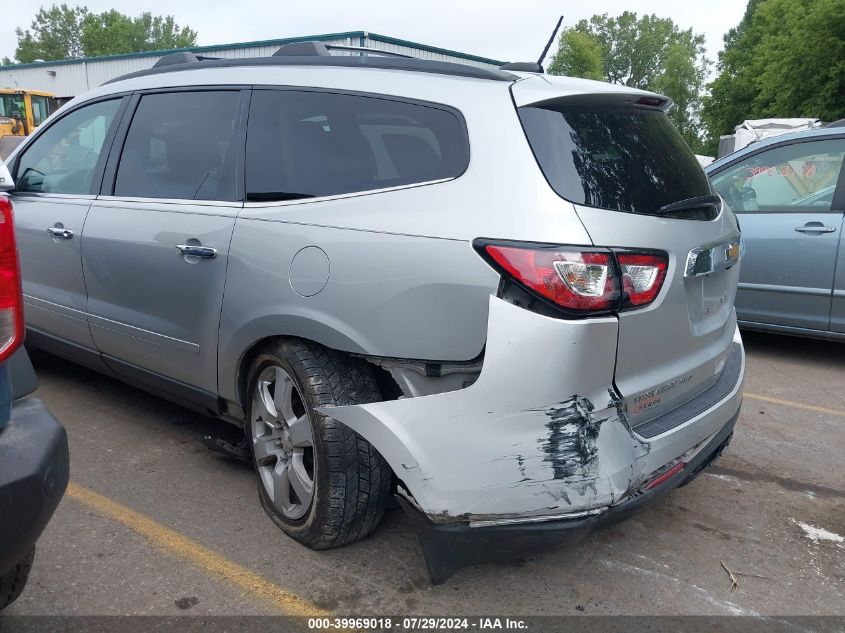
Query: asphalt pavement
x,y
155,523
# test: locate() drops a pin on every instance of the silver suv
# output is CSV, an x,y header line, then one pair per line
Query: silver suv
x,y
504,298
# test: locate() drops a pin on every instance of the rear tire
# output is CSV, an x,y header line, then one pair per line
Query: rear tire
x,y
13,583
323,485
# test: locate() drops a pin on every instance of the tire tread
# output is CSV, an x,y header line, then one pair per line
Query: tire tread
x,y
359,479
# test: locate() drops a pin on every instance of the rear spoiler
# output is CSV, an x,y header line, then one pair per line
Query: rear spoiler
x,y
545,89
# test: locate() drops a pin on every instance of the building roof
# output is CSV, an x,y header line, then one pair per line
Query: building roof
x,y
199,50
18,91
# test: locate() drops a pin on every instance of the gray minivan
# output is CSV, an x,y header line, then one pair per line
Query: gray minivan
x,y
504,298
789,193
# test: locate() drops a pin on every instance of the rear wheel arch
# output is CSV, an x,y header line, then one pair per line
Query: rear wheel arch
x,y
239,348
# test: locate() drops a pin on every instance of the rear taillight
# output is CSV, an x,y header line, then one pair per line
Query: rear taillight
x,y
642,276
11,299
581,280
577,280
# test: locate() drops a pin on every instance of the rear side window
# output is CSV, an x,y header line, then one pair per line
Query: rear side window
x,y
181,145
308,144
619,158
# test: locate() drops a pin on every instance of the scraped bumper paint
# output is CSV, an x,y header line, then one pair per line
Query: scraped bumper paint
x,y
540,435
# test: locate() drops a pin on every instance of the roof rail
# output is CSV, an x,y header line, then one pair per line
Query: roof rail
x,y
180,62
525,67
316,48
184,57
297,49
371,51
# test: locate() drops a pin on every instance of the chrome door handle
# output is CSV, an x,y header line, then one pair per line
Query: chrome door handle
x,y
58,231
815,229
203,252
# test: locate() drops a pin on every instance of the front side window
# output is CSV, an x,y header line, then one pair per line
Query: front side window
x,y
311,144
800,177
64,158
181,145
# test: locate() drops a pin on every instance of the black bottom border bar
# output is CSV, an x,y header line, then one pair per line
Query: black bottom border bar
x,y
551,624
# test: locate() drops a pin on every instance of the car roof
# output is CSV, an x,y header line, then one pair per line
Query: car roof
x,y
775,140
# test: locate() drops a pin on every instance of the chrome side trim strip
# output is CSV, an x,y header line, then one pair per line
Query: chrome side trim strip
x,y
112,326
55,308
342,196
790,290
144,335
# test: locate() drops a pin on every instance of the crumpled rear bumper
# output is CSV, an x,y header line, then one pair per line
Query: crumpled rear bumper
x,y
542,435
449,547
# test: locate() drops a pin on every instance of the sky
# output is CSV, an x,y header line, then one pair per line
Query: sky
x,y
512,31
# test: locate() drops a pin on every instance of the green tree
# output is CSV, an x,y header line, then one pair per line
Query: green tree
x,y
579,55
645,52
786,58
112,32
53,34
63,32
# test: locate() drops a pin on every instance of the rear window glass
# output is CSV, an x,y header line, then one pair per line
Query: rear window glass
x,y
618,158
309,144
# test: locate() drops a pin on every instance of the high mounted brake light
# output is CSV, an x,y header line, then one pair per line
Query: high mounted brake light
x,y
582,281
11,297
651,101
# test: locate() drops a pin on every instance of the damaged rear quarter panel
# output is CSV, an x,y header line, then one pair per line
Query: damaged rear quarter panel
x,y
535,435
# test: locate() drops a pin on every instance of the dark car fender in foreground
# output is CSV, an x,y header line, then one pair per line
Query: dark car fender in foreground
x,y
34,464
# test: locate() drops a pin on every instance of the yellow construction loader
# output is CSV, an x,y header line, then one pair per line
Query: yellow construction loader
x,y
21,112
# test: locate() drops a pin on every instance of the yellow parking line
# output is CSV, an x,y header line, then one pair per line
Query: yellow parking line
x,y
199,556
797,405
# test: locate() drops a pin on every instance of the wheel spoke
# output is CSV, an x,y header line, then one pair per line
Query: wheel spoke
x,y
264,449
302,484
300,432
281,486
283,393
266,400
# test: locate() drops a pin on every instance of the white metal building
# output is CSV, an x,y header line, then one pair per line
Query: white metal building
x,y
71,77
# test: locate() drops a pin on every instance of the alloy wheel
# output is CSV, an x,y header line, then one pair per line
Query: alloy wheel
x,y
283,442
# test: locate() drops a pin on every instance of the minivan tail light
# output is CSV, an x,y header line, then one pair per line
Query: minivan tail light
x,y
642,276
581,281
575,280
11,297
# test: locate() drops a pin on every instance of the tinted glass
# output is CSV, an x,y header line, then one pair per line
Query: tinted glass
x,y
799,177
308,144
64,158
181,145
619,158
